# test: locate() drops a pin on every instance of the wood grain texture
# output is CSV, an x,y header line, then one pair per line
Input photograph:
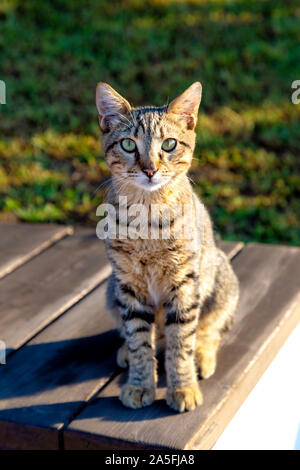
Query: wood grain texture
x,y
48,380
42,289
21,242
268,311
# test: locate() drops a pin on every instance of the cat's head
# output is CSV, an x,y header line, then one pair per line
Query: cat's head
x,y
148,146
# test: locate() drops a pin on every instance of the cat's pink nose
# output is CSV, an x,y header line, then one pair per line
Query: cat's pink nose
x,y
149,171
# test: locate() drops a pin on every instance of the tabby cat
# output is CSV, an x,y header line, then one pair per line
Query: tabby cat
x,y
168,292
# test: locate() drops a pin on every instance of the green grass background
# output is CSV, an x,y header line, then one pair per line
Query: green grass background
x,y
245,53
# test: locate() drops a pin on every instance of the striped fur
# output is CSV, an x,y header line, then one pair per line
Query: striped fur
x,y
166,293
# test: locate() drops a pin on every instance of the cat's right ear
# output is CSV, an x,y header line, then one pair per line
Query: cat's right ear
x,y
111,106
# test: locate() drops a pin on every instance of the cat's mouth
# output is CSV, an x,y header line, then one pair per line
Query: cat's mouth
x,y
150,184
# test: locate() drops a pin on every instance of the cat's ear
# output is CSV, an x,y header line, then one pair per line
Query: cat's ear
x,y
111,106
186,105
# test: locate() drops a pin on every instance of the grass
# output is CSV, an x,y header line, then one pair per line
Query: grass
x,y
246,54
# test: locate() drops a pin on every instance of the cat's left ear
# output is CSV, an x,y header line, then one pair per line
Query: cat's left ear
x,y
112,107
186,105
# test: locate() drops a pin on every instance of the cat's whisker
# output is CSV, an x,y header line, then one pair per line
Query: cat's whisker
x,y
122,184
104,183
124,117
190,179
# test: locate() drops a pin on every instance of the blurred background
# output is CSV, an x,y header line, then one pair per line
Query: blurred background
x,y
245,53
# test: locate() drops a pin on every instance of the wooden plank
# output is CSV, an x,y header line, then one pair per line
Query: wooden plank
x,y
21,242
268,311
47,381
42,289
25,437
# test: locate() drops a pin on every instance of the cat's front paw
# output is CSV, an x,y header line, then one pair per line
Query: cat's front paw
x,y
135,396
184,399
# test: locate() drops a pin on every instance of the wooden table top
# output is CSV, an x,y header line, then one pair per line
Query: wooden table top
x,y
60,384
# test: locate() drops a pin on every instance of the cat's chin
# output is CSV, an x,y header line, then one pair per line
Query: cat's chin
x,y
150,185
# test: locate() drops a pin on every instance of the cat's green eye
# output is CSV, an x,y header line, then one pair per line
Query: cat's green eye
x,y
169,144
128,145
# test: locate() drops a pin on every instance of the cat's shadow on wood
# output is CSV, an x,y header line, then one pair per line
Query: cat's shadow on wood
x,y
43,367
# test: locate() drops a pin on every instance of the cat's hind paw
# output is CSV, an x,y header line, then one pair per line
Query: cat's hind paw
x,y
185,398
122,356
207,368
206,363
135,396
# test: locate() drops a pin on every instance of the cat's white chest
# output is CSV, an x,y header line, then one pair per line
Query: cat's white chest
x,y
154,291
